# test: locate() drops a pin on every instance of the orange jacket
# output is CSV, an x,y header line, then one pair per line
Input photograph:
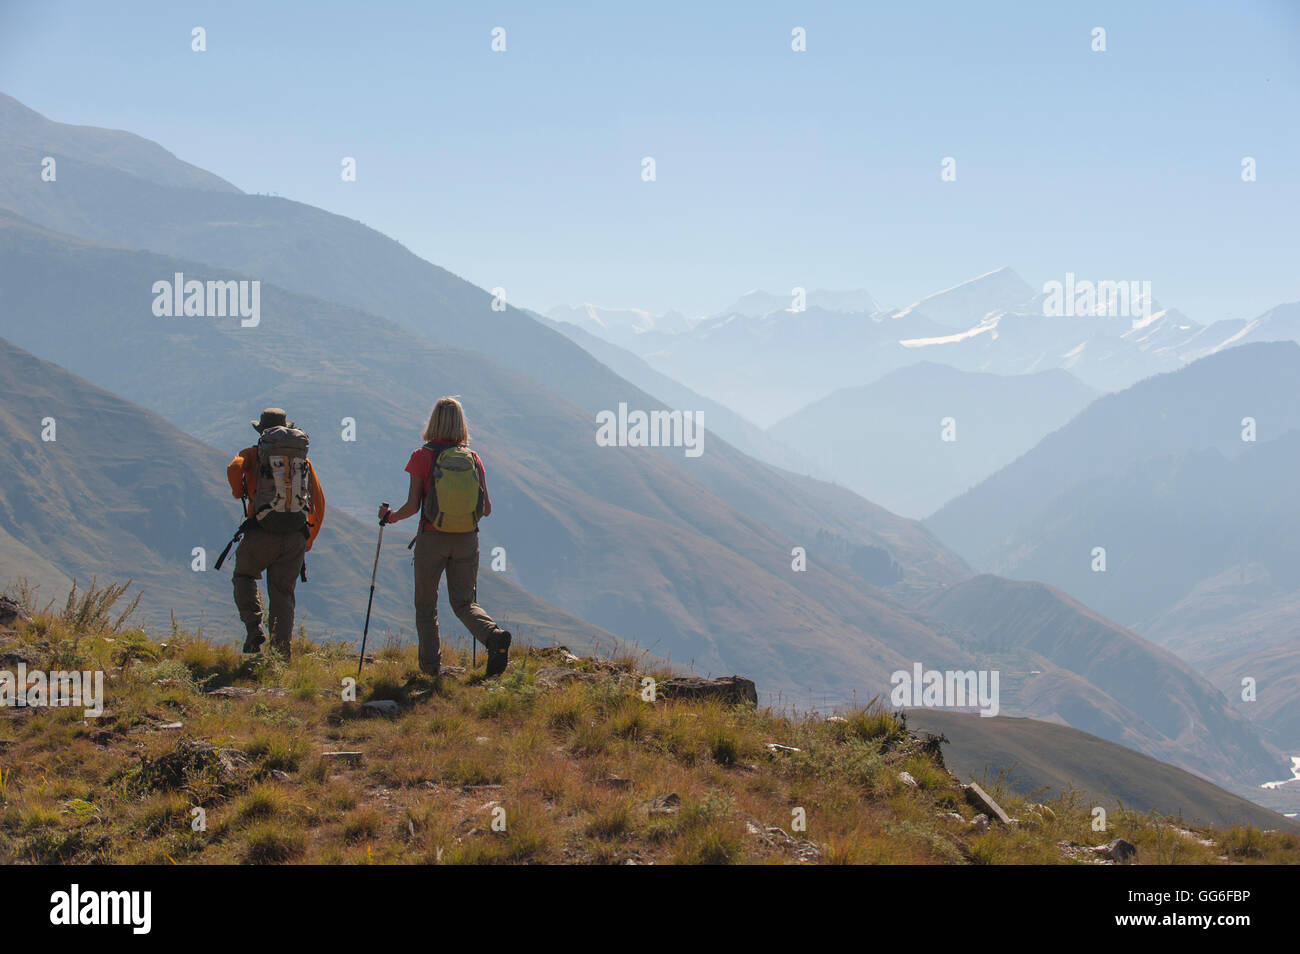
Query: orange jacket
x,y
242,474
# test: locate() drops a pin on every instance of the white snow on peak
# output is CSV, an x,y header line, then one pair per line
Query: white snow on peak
x,y
989,324
903,312
1250,326
1140,323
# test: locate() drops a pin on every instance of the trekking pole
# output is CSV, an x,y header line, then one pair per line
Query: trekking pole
x,y
248,524
366,629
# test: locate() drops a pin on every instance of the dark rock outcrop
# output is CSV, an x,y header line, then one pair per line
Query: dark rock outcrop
x,y
10,611
732,690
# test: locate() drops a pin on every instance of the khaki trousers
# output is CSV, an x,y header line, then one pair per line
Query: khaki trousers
x,y
455,554
281,556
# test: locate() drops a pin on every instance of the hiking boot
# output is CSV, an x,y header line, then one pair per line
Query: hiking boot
x,y
253,641
498,655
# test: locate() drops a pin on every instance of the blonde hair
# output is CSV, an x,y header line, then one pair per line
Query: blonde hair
x,y
447,424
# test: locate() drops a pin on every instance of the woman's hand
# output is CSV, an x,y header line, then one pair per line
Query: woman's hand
x,y
408,509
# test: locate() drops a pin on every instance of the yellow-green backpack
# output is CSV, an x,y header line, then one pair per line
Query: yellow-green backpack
x,y
454,503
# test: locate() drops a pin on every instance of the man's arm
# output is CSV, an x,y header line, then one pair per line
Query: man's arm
x,y
241,473
316,515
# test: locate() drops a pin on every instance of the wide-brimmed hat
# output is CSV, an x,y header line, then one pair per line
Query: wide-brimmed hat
x,y
271,417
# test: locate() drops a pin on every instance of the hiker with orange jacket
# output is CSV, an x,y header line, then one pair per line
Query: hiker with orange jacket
x,y
284,507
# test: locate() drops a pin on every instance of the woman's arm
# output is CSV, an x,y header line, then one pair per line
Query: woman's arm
x,y
482,482
411,506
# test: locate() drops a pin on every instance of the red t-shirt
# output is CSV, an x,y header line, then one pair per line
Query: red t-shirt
x,y
421,465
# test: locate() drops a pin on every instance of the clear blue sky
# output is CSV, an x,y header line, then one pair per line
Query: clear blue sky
x,y
775,168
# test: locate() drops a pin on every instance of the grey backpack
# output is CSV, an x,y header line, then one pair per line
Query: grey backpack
x,y
283,495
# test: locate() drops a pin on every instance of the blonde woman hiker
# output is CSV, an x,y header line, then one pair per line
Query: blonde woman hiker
x,y
449,491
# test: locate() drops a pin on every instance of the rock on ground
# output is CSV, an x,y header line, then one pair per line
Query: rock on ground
x,y
10,611
732,690
981,801
1118,851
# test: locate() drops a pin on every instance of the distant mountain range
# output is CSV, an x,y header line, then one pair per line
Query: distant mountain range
x,y
766,361
615,325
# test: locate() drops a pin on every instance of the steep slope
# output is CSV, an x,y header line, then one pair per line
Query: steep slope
x,y
1274,671
625,537
1242,624
1153,687
1046,760
1167,524
1200,407
885,440
19,562
27,130
120,493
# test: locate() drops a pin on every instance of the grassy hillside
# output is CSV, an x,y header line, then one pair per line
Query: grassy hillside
x,y
1041,759
560,761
